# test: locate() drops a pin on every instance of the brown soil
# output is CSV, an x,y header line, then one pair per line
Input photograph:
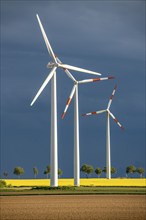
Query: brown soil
x,y
73,207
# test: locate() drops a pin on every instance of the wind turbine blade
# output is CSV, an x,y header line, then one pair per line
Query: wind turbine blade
x,y
94,113
96,79
46,39
44,85
67,71
111,98
66,66
69,100
118,123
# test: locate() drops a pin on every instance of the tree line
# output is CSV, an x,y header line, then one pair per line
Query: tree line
x,y
88,170
85,168
18,171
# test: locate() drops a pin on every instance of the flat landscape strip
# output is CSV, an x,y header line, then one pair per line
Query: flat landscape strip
x,y
83,182
77,191
87,207
72,190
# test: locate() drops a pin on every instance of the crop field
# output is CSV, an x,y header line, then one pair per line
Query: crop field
x,y
83,182
115,199
71,190
73,207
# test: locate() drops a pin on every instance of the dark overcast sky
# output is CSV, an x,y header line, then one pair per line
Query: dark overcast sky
x,y
103,36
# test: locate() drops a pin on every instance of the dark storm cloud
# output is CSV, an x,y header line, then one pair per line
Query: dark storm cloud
x,y
108,37
114,28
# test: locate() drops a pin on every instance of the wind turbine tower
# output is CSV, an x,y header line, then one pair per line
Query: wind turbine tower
x,y
52,76
74,92
108,148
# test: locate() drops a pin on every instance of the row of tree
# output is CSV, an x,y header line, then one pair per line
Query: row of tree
x,y
47,171
86,169
132,169
18,171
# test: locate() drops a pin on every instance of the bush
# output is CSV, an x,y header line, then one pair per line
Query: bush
x,y
64,188
2,184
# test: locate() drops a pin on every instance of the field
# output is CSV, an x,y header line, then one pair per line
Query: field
x,y
65,190
70,207
83,182
88,186
115,199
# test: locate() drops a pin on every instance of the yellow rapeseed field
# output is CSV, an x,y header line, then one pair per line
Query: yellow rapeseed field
x,y
83,182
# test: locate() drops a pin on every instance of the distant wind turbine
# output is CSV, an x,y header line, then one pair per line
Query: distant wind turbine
x,y
74,92
52,76
108,114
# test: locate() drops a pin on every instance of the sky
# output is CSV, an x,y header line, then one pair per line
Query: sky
x,y
103,36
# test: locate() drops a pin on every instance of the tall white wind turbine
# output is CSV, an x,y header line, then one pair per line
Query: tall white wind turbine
x,y
74,92
52,76
108,114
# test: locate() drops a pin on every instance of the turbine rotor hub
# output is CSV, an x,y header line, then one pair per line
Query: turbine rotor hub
x,y
51,64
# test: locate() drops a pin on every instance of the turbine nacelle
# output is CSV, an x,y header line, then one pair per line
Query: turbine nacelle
x,y
51,65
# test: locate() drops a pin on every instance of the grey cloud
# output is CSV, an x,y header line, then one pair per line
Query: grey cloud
x,y
114,28
104,36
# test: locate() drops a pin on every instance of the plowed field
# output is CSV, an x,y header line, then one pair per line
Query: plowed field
x,y
73,207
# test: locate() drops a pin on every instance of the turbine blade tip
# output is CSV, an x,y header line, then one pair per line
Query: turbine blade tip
x,y
111,77
63,115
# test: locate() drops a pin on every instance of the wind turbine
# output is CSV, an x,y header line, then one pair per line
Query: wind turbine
x,y
52,76
74,92
108,114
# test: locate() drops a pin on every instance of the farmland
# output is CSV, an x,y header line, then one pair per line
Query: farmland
x,y
83,182
88,186
70,207
115,199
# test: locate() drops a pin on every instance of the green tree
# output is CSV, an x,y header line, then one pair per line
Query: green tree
x,y
87,169
140,171
35,171
104,170
60,172
18,171
5,173
113,170
47,171
98,171
130,170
